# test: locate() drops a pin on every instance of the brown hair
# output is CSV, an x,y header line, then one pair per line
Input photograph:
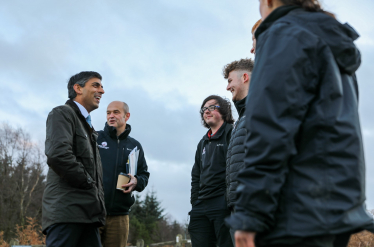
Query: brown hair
x,y
308,5
255,26
243,64
224,109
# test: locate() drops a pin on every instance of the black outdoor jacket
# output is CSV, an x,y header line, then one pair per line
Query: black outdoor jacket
x,y
74,189
114,152
304,169
235,154
208,172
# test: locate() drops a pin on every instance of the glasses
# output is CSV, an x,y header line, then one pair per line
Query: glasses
x,y
210,108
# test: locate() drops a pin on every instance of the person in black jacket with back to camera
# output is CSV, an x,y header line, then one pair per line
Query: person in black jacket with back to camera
x,y
304,178
115,145
209,209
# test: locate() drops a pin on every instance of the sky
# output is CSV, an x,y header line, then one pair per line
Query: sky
x,y
161,57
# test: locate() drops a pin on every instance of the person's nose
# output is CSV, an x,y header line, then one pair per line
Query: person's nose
x,y
101,90
228,87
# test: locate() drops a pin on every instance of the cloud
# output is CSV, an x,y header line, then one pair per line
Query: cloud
x,y
162,57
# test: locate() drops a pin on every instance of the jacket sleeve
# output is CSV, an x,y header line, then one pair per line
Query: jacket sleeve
x,y
195,174
59,151
142,174
283,84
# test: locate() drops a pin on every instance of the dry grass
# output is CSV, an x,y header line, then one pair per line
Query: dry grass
x,y
362,239
2,242
31,234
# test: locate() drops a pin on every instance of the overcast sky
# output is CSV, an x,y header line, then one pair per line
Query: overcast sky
x,y
162,57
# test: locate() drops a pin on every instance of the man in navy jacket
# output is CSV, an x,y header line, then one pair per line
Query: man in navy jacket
x,y
115,145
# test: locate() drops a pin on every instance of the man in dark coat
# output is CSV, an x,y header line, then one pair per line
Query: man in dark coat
x,y
73,200
304,178
209,208
115,145
238,75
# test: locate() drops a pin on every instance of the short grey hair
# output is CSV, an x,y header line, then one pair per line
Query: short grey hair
x,y
126,107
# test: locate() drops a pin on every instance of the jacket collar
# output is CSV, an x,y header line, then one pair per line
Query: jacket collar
x,y
275,15
112,132
240,106
72,104
218,134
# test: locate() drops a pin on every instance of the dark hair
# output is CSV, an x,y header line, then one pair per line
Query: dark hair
x,y
308,5
224,109
243,64
80,79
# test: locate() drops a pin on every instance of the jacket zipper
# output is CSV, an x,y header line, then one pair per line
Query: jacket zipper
x,y
115,172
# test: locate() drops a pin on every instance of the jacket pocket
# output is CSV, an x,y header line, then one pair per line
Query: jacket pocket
x,y
83,145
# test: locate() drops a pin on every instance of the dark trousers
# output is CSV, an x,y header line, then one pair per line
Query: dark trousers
x,y
73,235
319,241
207,227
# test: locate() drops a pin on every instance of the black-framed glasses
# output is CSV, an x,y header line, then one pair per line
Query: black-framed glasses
x,y
210,108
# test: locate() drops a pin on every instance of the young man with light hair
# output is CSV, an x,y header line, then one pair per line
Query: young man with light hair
x,y
238,75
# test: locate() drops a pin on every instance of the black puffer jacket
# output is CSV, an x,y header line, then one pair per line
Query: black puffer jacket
x,y
114,152
304,169
208,172
235,154
74,190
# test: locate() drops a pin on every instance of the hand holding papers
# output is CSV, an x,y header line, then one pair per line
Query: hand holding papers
x,y
133,160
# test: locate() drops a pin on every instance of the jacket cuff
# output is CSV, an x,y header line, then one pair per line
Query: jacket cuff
x,y
243,222
137,187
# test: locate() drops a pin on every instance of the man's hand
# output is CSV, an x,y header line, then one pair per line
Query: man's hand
x,y
131,185
245,239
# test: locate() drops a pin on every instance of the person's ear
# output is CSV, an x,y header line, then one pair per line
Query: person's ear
x,y
127,116
77,89
245,78
269,3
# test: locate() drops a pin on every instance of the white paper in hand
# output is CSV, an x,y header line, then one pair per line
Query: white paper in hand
x,y
133,159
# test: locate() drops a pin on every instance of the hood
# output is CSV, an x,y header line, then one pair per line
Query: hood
x,y
339,37
112,131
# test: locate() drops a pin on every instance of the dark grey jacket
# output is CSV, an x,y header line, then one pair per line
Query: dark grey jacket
x,y
304,169
74,191
114,156
235,154
208,172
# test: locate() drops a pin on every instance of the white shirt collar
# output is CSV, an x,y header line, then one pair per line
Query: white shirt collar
x,y
82,109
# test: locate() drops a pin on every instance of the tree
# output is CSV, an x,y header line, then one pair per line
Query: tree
x,y
21,179
148,221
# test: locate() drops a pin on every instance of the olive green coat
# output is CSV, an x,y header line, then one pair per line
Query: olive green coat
x,y
74,191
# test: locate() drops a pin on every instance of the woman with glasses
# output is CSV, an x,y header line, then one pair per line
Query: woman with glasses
x,y
304,178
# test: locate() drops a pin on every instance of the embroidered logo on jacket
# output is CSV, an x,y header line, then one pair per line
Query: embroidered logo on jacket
x,y
104,145
204,150
219,145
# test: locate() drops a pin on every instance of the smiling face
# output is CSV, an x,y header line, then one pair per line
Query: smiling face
x,y
212,118
90,95
116,116
238,84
